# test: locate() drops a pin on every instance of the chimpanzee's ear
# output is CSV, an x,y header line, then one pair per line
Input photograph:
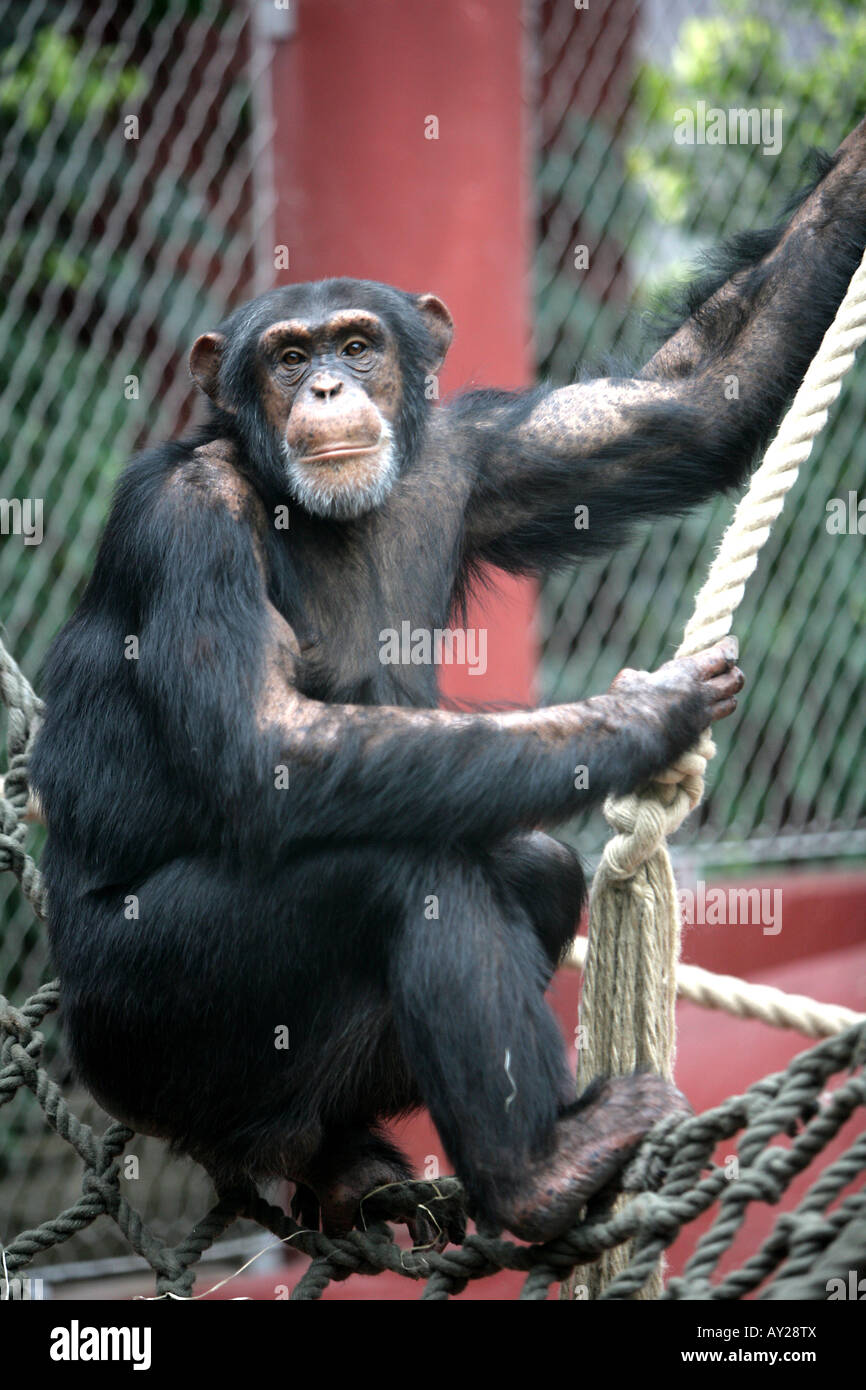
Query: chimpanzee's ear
x,y
204,363
439,324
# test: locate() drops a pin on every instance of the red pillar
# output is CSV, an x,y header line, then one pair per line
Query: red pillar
x,y
361,191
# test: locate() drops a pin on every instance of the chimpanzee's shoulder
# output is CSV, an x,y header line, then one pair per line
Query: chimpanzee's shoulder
x,y
207,474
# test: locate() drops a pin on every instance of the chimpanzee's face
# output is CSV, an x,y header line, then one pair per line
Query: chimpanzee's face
x,y
332,391
336,370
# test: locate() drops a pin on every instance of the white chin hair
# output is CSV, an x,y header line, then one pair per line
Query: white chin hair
x,y
341,491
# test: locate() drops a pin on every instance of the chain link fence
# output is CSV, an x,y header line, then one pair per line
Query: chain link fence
x,y
623,209
134,191
132,203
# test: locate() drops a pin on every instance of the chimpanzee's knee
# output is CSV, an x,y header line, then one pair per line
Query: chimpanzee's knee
x,y
548,880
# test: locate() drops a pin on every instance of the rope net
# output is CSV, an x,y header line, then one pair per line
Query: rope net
x,y
674,1177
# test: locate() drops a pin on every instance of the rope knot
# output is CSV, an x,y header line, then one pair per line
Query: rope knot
x,y
688,771
13,1021
103,1186
642,823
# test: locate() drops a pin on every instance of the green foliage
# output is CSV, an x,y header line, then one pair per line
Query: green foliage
x,y
797,755
55,78
809,62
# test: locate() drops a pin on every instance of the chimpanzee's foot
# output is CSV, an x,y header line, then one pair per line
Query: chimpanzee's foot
x,y
341,1186
346,1169
594,1140
342,1197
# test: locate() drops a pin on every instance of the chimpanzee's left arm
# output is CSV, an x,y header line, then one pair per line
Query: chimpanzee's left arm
x,y
692,421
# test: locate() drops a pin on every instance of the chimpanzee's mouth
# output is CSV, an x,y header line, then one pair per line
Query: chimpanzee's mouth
x,y
343,480
339,451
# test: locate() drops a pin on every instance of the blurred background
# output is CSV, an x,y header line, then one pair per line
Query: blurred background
x,y
155,158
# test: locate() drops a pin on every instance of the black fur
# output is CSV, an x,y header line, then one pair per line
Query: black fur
x,y
309,907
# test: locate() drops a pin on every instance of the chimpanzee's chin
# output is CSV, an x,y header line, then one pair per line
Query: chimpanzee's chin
x,y
342,489
337,505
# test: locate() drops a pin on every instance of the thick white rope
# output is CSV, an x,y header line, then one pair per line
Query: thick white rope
x,y
647,818
635,856
744,1000
630,973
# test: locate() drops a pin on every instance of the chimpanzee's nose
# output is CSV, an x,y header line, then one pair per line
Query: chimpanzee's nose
x,y
326,385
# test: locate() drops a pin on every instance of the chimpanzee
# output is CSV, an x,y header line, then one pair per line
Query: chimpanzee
x,y
290,898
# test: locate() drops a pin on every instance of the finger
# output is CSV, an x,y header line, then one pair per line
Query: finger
x,y
338,1217
715,660
722,687
305,1207
421,1232
622,678
457,1224
721,710
427,1233
336,1224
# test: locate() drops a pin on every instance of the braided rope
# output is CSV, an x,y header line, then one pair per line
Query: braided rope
x,y
24,712
673,1173
629,988
743,999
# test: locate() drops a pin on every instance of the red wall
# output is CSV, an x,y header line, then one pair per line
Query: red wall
x,y
362,192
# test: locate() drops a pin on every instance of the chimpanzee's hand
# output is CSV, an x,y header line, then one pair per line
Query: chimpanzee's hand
x,y
709,681
684,696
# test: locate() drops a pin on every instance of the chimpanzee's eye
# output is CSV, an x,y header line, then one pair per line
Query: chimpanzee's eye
x,y
355,348
292,357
